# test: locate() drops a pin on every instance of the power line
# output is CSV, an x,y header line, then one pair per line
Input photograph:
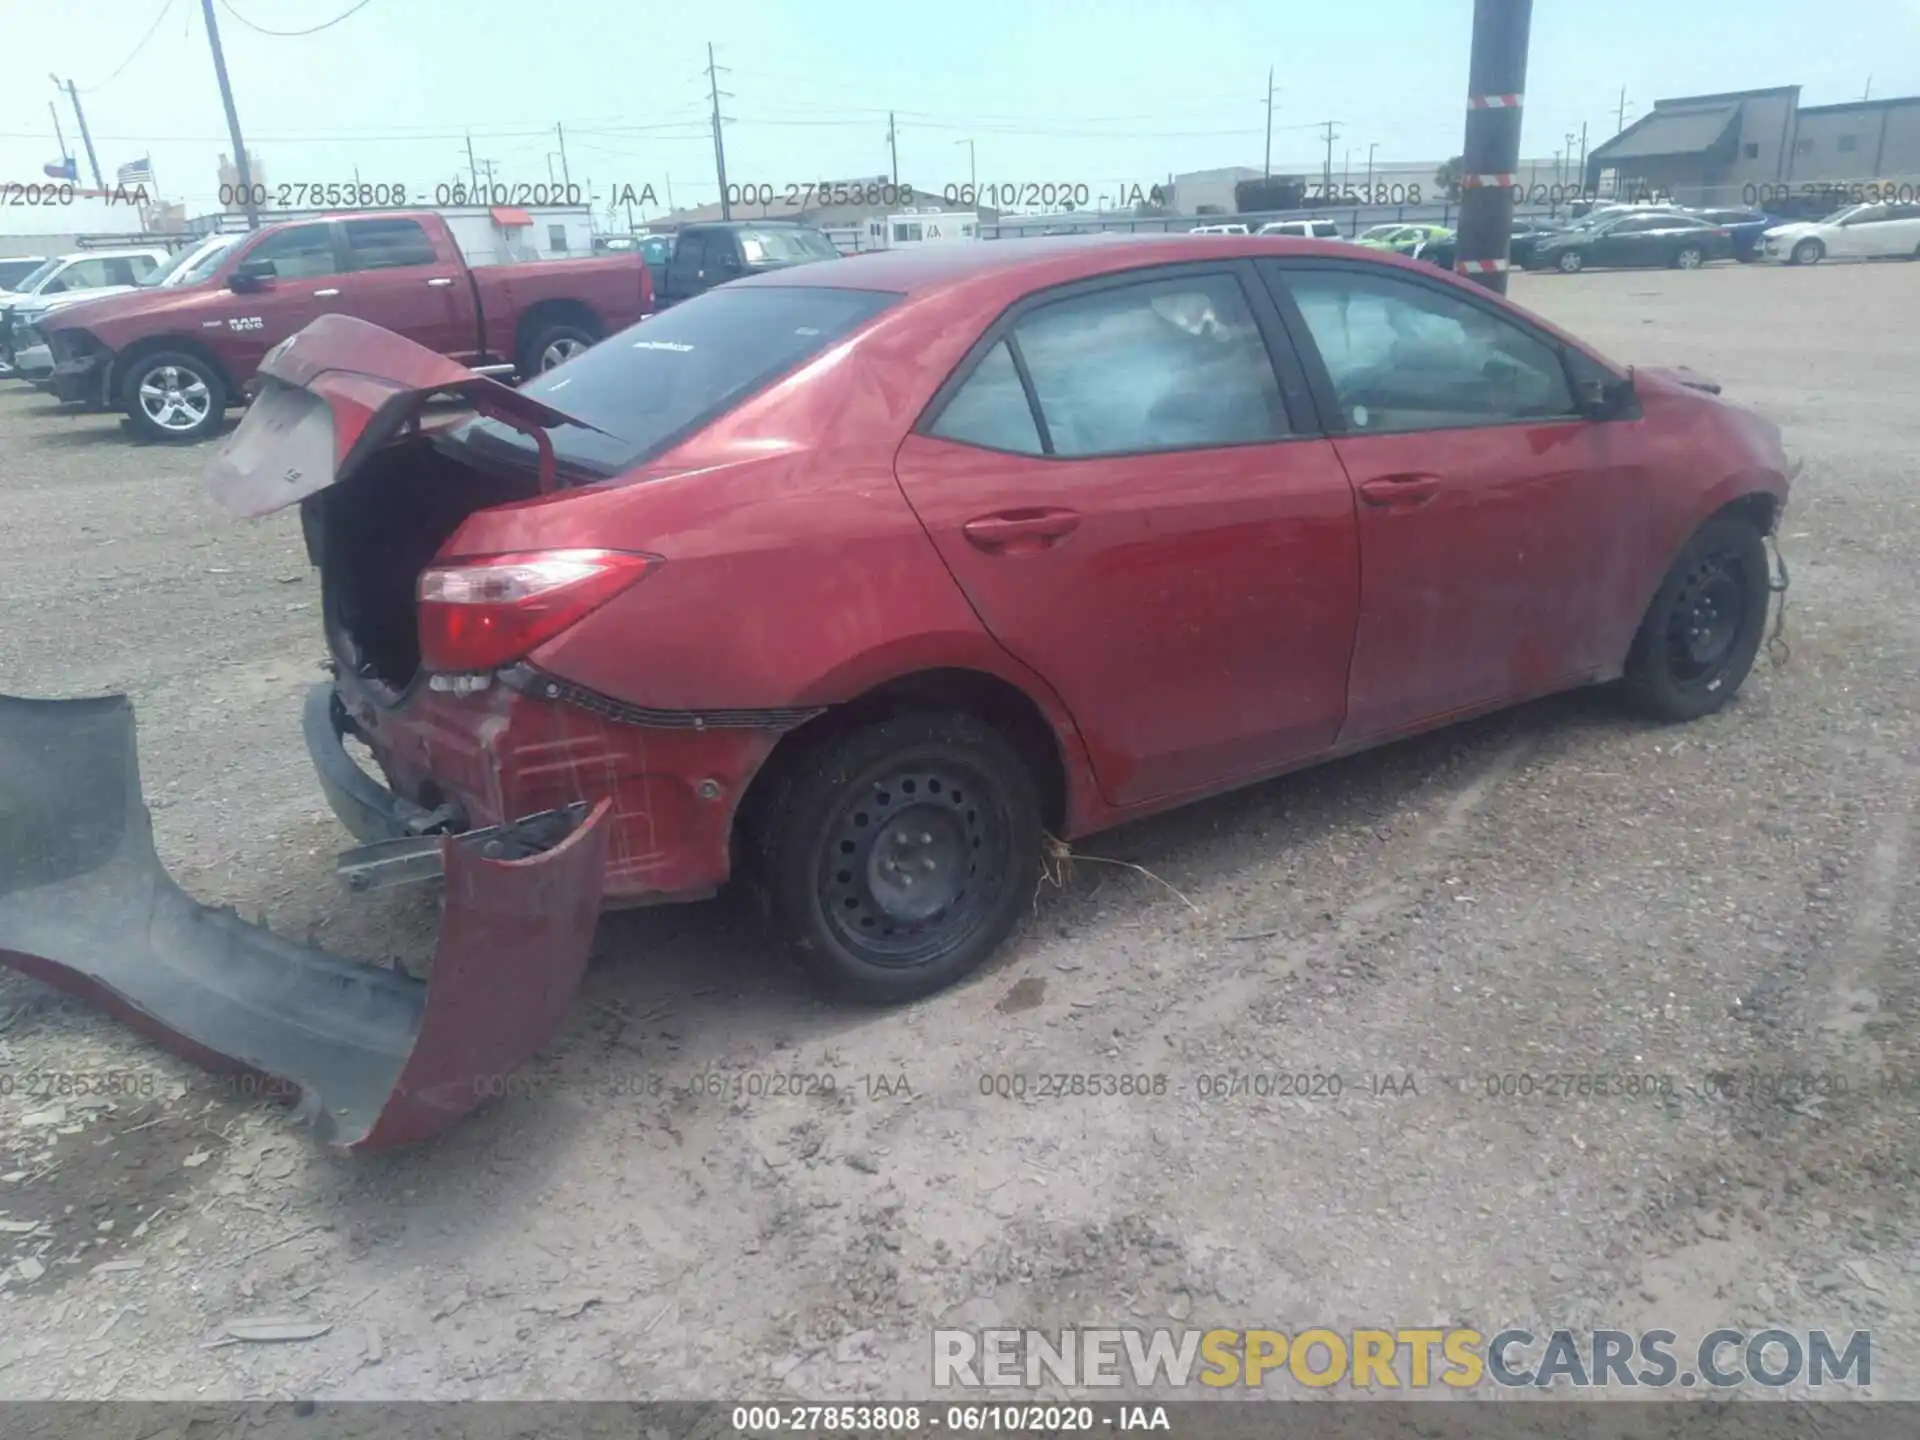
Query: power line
x,y
291,34
133,54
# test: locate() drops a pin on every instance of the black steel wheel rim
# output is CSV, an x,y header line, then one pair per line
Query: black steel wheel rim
x,y
1708,615
912,861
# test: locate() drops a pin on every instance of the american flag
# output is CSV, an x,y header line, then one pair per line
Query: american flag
x,y
136,172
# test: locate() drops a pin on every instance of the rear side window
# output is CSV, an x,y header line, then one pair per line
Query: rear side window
x,y
991,409
1176,364
1326,230
387,244
659,380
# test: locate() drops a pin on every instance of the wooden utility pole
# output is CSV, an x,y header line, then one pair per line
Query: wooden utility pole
x,y
1496,85
80,115
719,145
242,166
893,149
1266,166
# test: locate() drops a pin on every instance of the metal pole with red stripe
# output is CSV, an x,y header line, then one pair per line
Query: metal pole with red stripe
x,y
1490,158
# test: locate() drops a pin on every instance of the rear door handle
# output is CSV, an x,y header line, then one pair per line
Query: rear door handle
x,y
326,294
1404,492
440,282
1015,532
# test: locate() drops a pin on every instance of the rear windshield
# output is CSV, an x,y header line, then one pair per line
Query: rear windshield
x,y
785,247
656,382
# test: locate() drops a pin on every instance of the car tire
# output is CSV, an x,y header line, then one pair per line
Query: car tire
x,y
1689,257
174,396
939,800
552,345
1570,262
1699,637
1807,252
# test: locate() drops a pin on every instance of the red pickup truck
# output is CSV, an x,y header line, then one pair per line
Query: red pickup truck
x,y
174,355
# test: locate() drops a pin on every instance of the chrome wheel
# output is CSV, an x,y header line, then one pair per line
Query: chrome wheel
x,y
175,398
560,351
1570,261
1688,259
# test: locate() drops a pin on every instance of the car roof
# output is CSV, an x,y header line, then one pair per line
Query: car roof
x,y
1010,268
161,251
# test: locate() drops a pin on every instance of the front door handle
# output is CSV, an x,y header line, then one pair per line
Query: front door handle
x,y
440,282
326,294
1400,492
1019,532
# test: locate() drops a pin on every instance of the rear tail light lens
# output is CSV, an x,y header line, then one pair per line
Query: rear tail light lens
x,y
482,613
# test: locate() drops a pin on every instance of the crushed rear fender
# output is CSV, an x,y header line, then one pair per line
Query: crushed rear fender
x,y
377,1058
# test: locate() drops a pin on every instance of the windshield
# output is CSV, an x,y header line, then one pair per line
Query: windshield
x,y
1382,232
785,247
656,382
195,265
39,273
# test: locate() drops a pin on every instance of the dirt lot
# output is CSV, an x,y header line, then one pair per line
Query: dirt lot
x,y
1558,889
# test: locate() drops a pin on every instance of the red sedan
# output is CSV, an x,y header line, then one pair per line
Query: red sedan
x,y
860,579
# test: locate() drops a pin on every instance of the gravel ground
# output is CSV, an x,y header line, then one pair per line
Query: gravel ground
x,y
1559,889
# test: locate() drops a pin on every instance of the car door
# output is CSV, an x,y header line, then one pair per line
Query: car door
x,y
305,270
396,278
1497,525
1138,506
688,267
1871,232
1624,242
1903,231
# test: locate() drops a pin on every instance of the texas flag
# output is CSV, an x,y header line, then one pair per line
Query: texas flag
x,y
67,169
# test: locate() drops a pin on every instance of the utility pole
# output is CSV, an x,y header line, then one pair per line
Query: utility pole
x,y
1370,149
1620,119
81,116
241,164
58,133
719,145
1266,166
1496,82
473,168
1867,94
1583,155
566,176
893,149
1326,174
973,177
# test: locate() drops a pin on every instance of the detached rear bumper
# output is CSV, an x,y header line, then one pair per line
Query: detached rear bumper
x,y
376,1058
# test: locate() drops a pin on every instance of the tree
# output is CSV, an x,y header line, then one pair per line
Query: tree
x,y
1447,177
1269,192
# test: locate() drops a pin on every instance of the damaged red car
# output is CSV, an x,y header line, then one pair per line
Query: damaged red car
x,y
860,580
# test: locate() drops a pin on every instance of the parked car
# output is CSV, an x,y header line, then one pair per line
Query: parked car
x,y
1403,239
175,357
1337,460
708,254
1302,229
1744,227
1443,249
1859,232
1636,237
95,272
1222,228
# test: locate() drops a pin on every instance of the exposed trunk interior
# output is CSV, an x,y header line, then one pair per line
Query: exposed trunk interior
x,y
371,536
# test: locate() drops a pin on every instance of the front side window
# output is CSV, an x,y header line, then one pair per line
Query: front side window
x,y
1405,356
1160,365
1867,215
387,244
302,253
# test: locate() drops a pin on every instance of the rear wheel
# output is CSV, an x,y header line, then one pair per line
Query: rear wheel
x,y
1703,629
1808,252
1570,261
171,395
896,859
553,345
1689,257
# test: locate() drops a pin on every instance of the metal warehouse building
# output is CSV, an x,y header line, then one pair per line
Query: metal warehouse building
x,y
1720,149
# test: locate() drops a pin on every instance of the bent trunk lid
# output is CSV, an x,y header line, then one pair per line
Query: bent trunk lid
x,y
333,394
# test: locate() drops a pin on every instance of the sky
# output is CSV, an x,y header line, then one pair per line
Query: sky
x,y
1108,95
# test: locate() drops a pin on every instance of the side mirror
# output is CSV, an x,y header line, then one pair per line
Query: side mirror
x,y
1603,399
249,276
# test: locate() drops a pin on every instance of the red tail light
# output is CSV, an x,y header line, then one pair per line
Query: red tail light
x,y
482,613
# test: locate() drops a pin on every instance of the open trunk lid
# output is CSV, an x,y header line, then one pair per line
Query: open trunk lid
x,y
333,394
